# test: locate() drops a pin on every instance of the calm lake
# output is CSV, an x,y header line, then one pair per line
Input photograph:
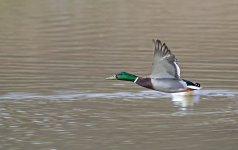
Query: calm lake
x,y
55,56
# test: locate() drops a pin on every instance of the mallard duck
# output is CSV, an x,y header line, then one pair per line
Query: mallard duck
x,y
165,75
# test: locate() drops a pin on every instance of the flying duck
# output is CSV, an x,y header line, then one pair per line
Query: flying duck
x,y
165,75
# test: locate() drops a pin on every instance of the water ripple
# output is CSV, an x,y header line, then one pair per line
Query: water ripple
x,y
77,95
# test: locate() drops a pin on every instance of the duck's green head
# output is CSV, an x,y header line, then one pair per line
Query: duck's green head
x,y
123,76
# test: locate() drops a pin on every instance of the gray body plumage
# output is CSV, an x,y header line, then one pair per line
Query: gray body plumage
x,y
169,85
163,84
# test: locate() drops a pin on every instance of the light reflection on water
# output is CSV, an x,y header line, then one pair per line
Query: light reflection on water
x,y
147,94
183,100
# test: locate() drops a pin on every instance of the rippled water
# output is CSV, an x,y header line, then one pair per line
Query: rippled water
x,y
55,56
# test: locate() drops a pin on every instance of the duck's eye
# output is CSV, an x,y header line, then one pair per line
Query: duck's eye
x,y
197,84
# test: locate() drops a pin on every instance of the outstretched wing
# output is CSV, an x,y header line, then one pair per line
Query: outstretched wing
x,y
164,62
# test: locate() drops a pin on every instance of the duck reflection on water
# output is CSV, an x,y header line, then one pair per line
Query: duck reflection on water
x,y
186,100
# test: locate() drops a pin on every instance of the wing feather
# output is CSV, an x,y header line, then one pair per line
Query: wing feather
x,y
164,62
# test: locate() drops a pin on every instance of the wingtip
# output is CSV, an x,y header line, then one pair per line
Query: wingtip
x,y
157,44
156,41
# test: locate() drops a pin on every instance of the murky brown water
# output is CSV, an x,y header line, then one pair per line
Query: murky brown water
x,y
55,55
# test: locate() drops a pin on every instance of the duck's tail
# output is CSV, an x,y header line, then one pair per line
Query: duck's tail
x,y
191,85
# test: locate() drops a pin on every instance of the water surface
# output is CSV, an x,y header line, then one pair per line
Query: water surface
x,y
55,56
